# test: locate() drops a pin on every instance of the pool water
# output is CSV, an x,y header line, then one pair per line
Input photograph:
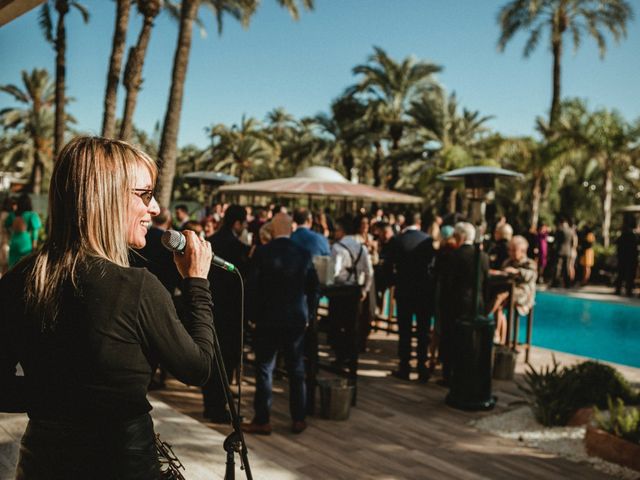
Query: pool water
x,y
591,328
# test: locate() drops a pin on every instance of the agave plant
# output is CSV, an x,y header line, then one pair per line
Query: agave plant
x,y
549,394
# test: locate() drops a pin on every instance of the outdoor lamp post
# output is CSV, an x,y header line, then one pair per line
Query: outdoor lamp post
x,y
470,382
479,184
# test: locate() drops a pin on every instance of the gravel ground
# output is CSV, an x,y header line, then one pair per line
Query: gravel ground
x,y
521,425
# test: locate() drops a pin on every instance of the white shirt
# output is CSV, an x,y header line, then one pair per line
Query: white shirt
x,y
342,254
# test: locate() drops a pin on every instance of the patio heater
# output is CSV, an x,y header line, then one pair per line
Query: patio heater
x,y
479,185
470,383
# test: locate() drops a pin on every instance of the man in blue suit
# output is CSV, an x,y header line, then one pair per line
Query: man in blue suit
x,y
281,283
304,237
316,245
411,254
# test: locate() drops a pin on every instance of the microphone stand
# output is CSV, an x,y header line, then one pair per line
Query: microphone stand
x,y
175,242
235,440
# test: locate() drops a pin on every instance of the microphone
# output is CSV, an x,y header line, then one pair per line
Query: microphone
x,y
176,241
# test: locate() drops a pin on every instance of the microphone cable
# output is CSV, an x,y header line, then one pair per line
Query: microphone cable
x,y
241,365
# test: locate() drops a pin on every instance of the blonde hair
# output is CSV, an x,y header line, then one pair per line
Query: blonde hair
x,y
520,241
89,198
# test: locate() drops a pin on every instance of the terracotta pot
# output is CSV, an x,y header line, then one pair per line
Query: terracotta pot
x,y
611,448
582,416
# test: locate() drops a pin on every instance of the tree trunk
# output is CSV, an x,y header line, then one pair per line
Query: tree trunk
x,y
62,7
348,163
395,168
168,142
35,179
606,202
557,29
536,196
133,77
452,200
377,164
117,52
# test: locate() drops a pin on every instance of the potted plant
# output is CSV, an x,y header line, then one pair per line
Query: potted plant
x,y
616,438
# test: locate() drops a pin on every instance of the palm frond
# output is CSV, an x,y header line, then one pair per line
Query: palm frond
x,y
532,41
14,91
84,11
46,25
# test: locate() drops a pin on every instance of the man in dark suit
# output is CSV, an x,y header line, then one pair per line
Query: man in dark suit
x,y
155,257
411,254
182,216
461,300
227,301
159,261
280,285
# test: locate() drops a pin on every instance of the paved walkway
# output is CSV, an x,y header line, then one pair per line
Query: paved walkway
x,y
594,292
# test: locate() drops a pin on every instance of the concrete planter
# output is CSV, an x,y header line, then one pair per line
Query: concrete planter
x,y
611,448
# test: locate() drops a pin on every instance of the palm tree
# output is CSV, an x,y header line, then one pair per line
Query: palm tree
x,y
535,159
133,70
240,149
34,120
280,126
239,9
345,131
115,62
394,85
605,136
459,135
59,43
300,147
560,17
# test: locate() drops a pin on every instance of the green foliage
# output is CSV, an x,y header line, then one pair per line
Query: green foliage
x,y
557,392
622,421
549,392
593,382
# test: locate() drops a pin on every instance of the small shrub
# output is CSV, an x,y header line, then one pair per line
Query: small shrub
x,y
622,421
548,391
556,393
594,382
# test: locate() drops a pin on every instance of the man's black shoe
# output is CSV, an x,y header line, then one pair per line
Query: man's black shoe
x,y
217,417
401,374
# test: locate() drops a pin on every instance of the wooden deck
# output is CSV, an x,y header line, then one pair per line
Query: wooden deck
x,y
399,430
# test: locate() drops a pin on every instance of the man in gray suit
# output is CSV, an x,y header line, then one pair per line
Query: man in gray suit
x,y
564,243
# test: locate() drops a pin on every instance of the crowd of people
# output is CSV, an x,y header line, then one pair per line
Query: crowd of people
x,y
428,264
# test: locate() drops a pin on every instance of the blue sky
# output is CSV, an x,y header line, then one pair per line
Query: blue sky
x,y
303,65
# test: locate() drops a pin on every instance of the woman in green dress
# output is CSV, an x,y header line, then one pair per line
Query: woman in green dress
x,y
24,226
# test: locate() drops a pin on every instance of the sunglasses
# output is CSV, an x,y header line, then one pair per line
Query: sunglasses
x,y
145,194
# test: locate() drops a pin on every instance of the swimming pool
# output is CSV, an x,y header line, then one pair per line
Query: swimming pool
x,y
591,328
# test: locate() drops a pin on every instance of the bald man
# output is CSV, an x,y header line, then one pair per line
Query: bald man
x,y
281,284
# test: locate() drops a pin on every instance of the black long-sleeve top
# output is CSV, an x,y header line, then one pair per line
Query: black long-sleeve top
x,y
111,332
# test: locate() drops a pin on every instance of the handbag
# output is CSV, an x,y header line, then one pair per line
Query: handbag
x,y
170,464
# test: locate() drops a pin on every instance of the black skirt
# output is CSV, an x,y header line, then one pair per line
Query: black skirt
x,y
92,450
